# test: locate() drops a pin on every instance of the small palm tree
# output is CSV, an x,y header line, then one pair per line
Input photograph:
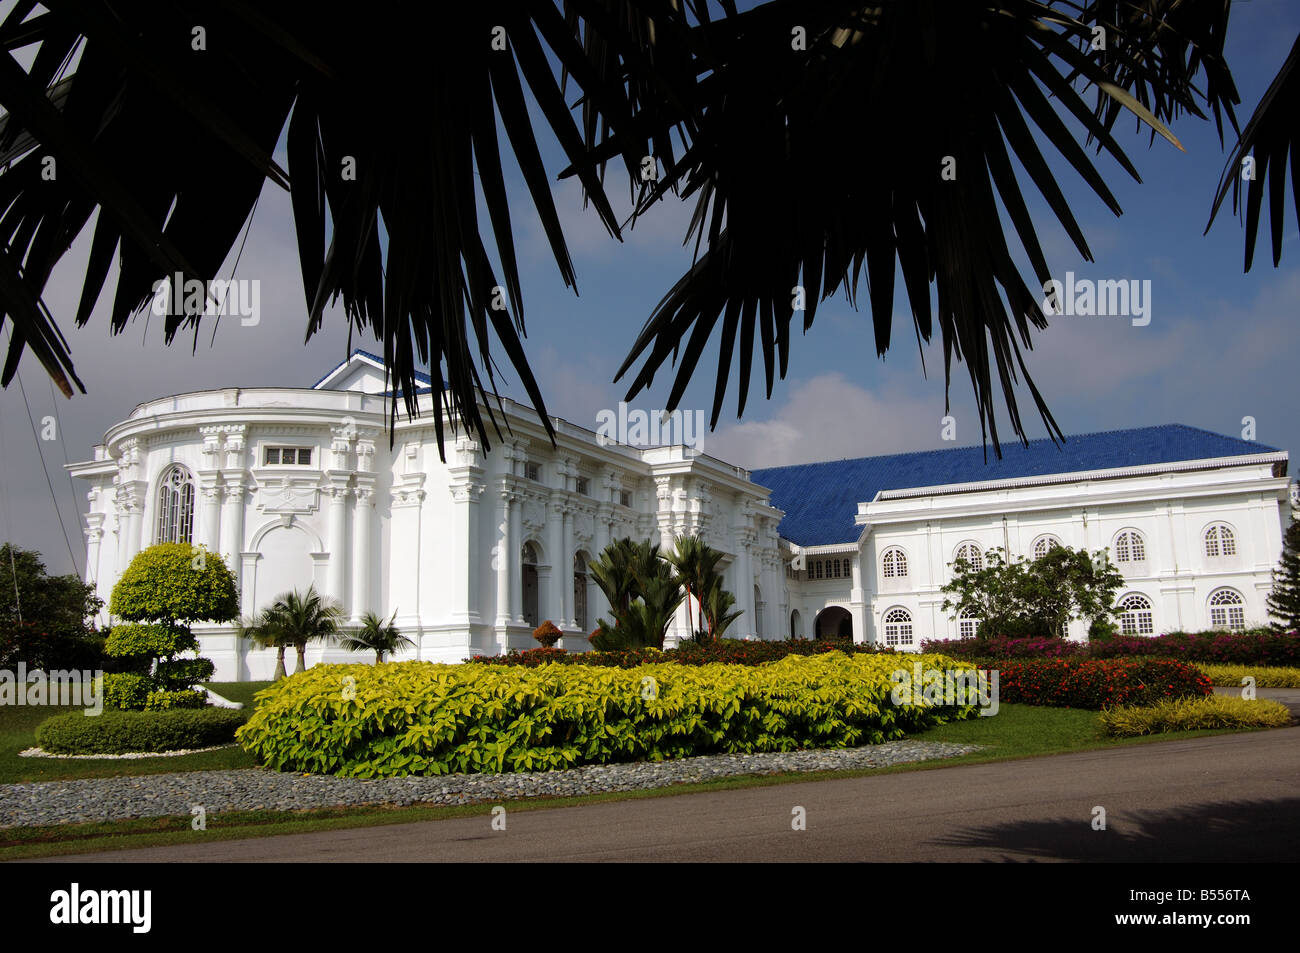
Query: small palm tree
x,y
377,635
696,563
717,608
264,636
296,619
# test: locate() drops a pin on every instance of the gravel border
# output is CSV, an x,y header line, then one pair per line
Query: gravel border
x,y
129,756
252,789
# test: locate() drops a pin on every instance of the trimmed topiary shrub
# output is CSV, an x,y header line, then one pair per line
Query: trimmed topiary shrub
x,y
126,690
405,718
1192,714
1097,683
166,588
126,732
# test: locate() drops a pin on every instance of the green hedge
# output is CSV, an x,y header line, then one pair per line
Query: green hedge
x,y
404,718
123,732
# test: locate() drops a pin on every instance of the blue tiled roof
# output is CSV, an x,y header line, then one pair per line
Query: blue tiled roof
x,y
821,499
419,376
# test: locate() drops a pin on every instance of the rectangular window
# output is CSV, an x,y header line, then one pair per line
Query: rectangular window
x,y
625,498
288,456
584,486
533,471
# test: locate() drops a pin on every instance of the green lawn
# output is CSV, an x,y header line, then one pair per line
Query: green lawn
x,y
18,732
1017,731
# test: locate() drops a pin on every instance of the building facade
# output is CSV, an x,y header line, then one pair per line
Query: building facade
x,y
299,486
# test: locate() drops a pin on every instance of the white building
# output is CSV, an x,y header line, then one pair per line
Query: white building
x,y
299,485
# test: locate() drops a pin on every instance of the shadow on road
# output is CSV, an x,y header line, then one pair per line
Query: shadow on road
x,y
1228,831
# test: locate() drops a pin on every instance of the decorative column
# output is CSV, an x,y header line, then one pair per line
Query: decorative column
x,y
858,600
514,557
554,585
336,576
566,587
362,570
664,514
232,515
466,487
94,534
598,606
504,555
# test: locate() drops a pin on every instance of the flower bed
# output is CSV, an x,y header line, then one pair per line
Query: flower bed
x,y
1225,648
416,718
1097,683
724,651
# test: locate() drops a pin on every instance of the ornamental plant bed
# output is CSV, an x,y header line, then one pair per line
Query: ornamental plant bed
x,y
1224,648
422,718
725,651
1098,683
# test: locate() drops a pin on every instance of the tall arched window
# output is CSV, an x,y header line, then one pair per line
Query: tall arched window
x,y
1220,541
1227,610
968,624
1043,544
580,590
528,580
1130,547
894,564
1136,615
898,627
176,506
970,554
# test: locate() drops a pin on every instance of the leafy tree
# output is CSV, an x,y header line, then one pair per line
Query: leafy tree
x,y
770,118
295,619
1033,598
166,588
1284,600
44,619
377,635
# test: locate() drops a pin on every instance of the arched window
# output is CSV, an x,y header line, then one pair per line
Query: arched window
x,y
1130,547
898,627
1136,615
176,506
971,555
1227,610
580,590
795,625
894,564
1043,544
968,624
528,580
759,605
1220,541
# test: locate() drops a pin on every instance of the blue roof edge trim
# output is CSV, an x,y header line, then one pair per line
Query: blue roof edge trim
x,y
420,376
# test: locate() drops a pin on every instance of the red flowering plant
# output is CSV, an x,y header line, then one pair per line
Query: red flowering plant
x,y
1097,683
547,633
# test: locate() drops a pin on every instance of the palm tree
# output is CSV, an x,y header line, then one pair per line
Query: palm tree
x,y
264,635
297,619
772,119
377,635
619,569
696,564
717,608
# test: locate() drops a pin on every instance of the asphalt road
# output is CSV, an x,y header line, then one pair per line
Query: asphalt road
x,y
1226,798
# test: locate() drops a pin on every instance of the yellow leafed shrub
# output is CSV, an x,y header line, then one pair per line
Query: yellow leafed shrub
x,y
416,718
1191,714
1266,676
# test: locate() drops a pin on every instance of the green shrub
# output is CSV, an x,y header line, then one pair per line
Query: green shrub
x,y
181,673
404,718
126,690
1191,714
175,582
144,639
123,732
165,700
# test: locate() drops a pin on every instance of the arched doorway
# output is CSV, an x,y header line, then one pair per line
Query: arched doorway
x,y
796,625
529,582
834,622
580,590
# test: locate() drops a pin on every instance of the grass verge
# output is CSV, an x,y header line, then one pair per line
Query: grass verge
x,y
1018,731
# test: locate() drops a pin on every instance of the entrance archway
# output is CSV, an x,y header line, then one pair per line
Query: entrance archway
x,y
834,622
796,625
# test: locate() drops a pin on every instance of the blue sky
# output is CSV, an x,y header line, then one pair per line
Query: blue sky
x,y
1218,348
